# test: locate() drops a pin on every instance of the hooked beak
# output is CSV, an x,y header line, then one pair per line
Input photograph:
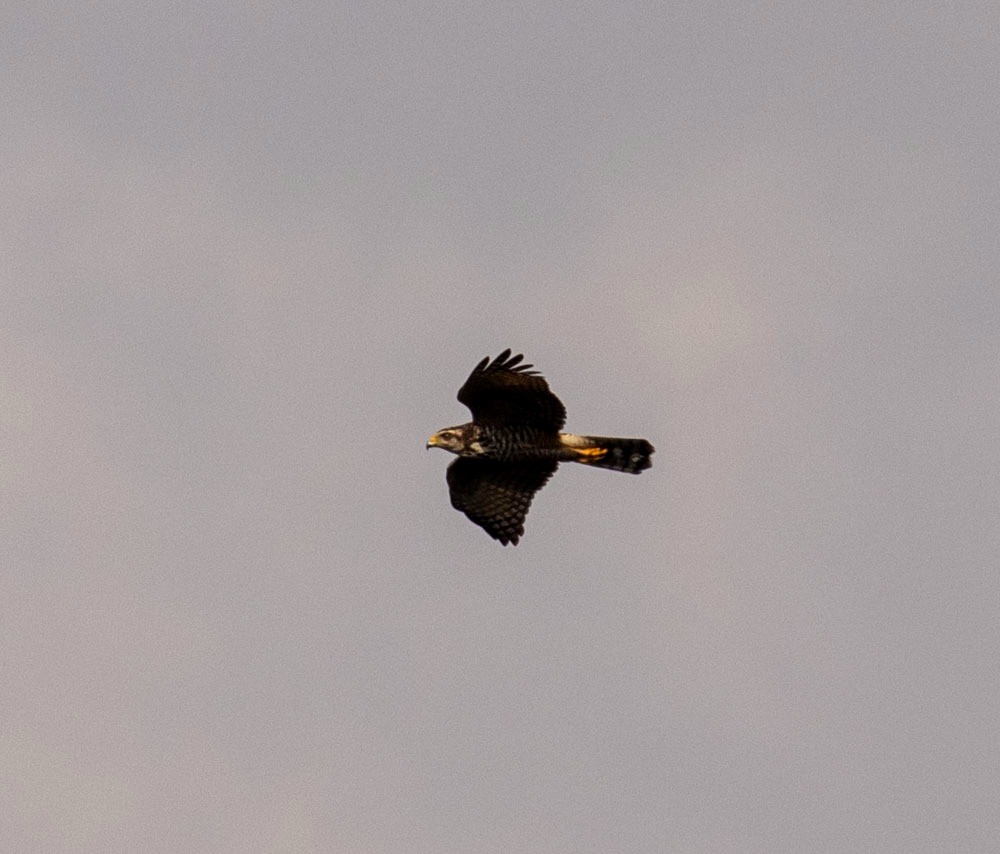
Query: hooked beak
x,y
432,441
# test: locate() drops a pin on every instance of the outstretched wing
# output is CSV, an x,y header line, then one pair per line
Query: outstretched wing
x,y
496,495
506,393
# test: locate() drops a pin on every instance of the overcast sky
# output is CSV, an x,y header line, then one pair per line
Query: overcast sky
x,y
251,252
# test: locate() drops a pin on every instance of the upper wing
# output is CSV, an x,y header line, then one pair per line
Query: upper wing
x,y
496,495
506,392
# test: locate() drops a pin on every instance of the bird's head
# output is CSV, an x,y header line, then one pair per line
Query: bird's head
x,y
449,439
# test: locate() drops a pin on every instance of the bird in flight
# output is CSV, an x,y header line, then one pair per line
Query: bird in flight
x,y
513,445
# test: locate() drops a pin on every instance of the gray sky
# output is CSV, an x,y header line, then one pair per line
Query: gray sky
x,y
249,255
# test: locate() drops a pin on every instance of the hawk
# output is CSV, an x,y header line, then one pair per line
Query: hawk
x,y
513,445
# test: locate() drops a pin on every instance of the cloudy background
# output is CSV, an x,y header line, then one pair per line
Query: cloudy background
x,y
249,254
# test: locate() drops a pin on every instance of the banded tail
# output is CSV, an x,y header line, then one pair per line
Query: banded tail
x,y
627,455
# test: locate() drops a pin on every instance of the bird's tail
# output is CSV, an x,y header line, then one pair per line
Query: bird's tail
x,y
628,455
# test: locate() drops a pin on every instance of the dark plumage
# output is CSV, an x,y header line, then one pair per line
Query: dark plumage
x,y
513,445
